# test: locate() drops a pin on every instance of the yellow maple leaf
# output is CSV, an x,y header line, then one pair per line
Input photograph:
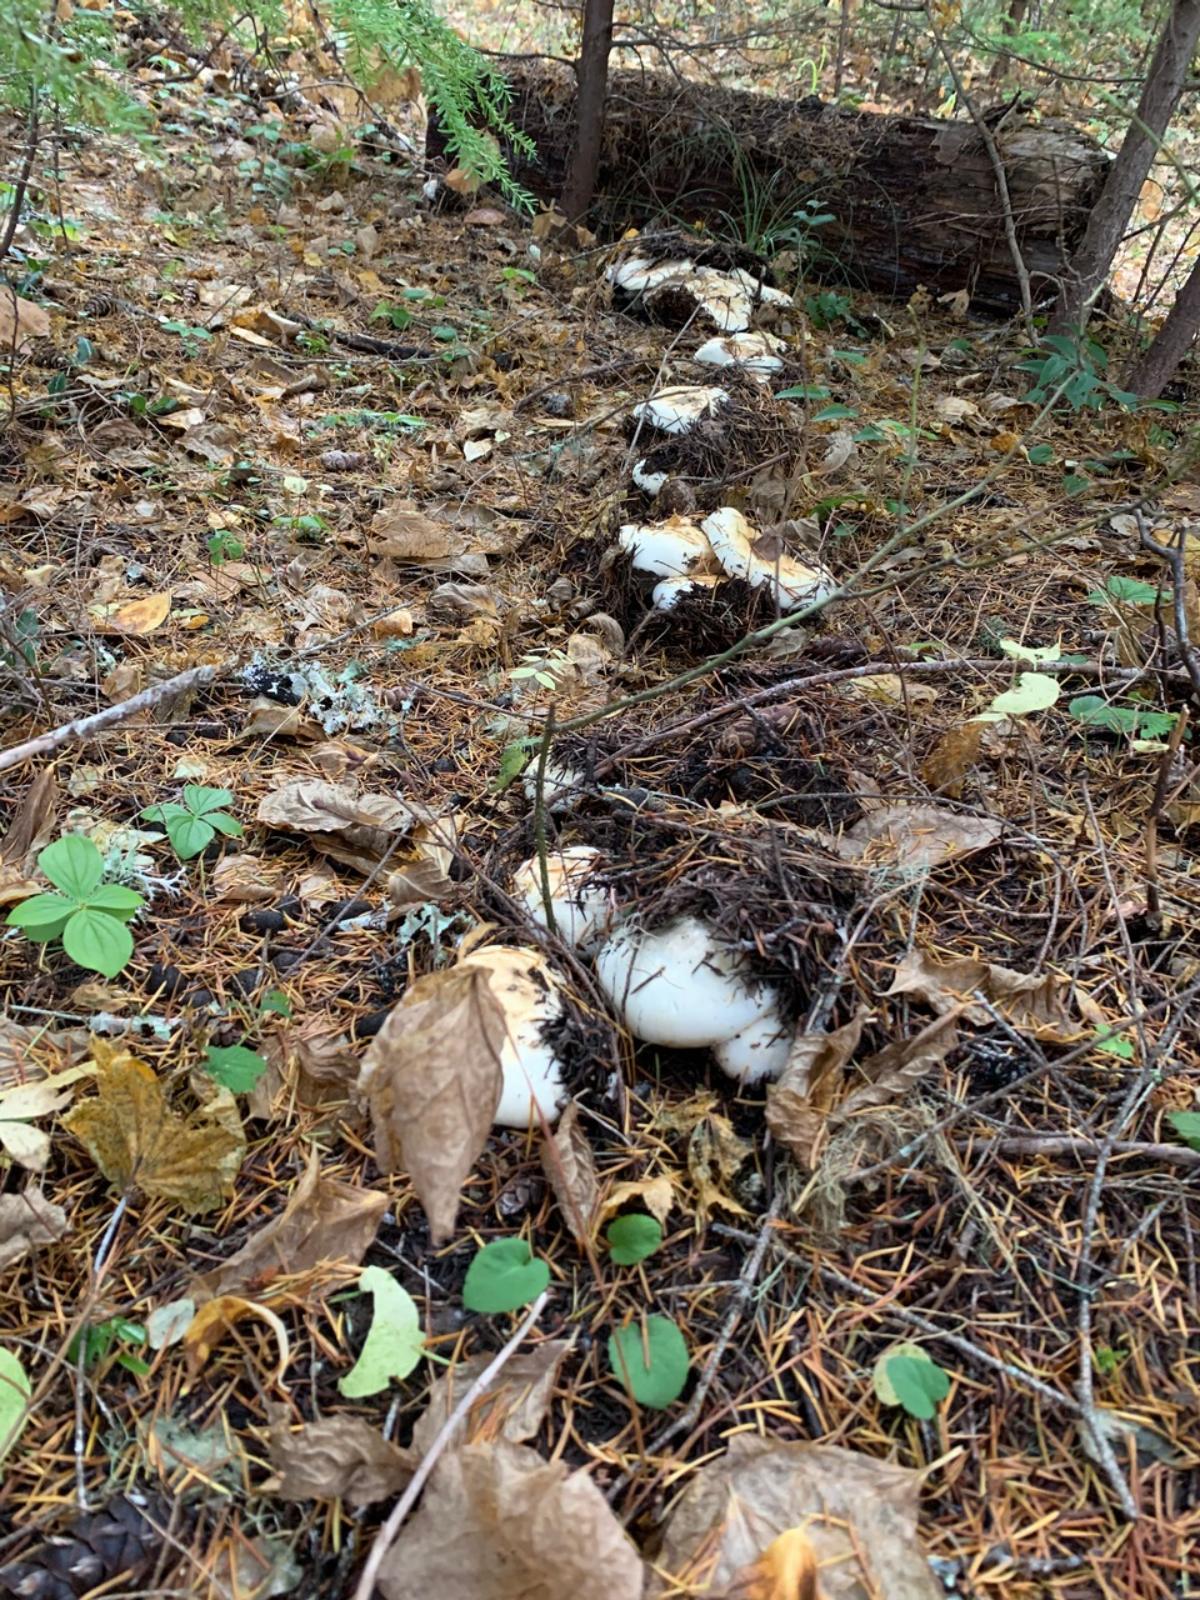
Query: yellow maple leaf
x,y
138,1142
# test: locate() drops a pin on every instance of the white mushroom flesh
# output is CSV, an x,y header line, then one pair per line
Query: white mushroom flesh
x,y
792,582
669,549
527,991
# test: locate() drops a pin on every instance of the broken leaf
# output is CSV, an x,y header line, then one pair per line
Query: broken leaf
x,y
395,1343
135,617
656,1194
859,1514
351,827
907,1375
340,1457
168,1324
22,1105
568,1163
431,1077
27,1222
523,1529
799,1103
715,1153
916,838
1034,691
512,1407
504,1276
1036,1001
138,1142
30,831
217,1318
324,1221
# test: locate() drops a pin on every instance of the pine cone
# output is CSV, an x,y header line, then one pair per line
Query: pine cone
x,y
118,1541
100,305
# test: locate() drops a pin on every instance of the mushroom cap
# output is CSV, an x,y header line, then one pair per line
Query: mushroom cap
x,y
668,592
759,1051
793,582
679,409
753,352
580,911
669,549
678,985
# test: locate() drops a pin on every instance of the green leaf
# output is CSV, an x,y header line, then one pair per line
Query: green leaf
x,y
73,864
1040,454
835,412
1036,654
1116,1044
165,814
916,1380
804,391
395,1343
1096,712
189,835
504,1276
631,1239
1034,691
652,1368
1186,1125
1129,591
514,758
15,1390
116,900
199,799
276,1002
235,1067
43,917
97,941
224,823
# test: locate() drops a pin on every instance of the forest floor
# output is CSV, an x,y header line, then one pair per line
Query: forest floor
x,y
364,457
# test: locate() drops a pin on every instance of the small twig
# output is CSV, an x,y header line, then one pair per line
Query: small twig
x,y
1162,789
386,1536
1175,558
539,823
85,727
1061,1144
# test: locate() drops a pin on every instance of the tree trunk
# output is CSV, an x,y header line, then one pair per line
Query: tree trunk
x,y
1089,266
592,70
914,199
1151,373
1012,25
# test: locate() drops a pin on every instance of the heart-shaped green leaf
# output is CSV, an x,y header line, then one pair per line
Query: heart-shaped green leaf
x,y
1034,691
14,1392
652,1366
73,864
1187,1126
631,1239
235,1066
97,941
504,1276
395,1343
906,1376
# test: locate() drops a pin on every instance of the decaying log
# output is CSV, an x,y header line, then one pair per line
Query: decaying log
x,y
914,199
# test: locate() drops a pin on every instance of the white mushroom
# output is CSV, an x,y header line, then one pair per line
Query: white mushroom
x,y
752,352
638,275
529,994
669,549
679,986
558,783
580,911
667,594
679,410
792,582
759,1051
650,483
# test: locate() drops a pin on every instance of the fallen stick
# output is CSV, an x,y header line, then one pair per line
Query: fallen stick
x,y
86,727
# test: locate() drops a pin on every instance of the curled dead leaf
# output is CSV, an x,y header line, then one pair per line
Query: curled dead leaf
x,y
522,1527
569,1165
859,1515
358,829
432,1079
134,617
27,1222
217,1318
656,1194
511,1408
916,838
324,1221
341,1457
1037,1002
799,1102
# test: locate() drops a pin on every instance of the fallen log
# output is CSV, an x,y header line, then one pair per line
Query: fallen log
x,y
914,199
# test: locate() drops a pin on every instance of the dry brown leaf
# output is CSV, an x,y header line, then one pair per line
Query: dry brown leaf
x,y
424,874
1034,1001
21,322
714,1156
243,879
28,1054
23,1104
216,1319
323,1221
137,1141
27,1222
656,1194
406,534
799,1103
512,1408
568,1163
952,757
894,1071
859,1514
498,1523
32,827
134,617
432,1079
341,1457
358,829
916,838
